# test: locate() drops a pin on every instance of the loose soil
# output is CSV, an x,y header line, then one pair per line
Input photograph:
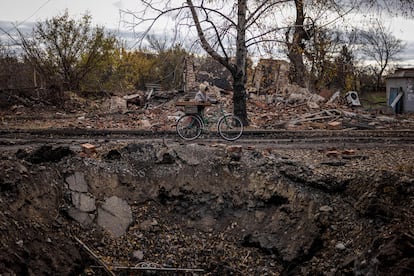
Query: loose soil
x,y
266,211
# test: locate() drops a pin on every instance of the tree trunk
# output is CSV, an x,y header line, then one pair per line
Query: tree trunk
x,y
240,73
381,72
239,98
238,69
297,68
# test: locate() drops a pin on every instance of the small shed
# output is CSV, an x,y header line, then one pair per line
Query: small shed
x,y
400,90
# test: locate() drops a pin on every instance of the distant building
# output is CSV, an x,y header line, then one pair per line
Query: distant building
x,y
400,90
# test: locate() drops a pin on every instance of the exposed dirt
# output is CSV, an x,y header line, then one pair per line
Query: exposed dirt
x,y
261,211
267,211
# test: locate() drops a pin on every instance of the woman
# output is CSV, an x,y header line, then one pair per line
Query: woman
x,y
202,96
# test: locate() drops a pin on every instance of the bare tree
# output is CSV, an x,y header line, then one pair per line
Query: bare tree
x,y
314,19
381,46
64,50
391,7
226,30
296,46
309,20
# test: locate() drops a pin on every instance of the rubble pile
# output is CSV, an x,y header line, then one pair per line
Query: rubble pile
x,y
293,108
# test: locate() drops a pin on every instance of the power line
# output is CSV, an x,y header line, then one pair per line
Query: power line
x,y
24,21
44,4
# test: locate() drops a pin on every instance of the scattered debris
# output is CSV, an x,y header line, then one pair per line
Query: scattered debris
x,y
335,125
290,107
352,98
88,148
118,104
115,215
108,270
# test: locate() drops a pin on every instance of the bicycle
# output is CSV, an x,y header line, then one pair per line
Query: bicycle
x,y
191,124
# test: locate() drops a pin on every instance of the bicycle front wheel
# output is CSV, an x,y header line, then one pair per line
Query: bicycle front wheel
x,y
189,127
230,127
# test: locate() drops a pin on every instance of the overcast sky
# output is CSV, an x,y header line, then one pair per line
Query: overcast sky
x,y
106,13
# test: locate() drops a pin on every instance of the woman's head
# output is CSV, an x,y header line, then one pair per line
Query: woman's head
x,y
204,87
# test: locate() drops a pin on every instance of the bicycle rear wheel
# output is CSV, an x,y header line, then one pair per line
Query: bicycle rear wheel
x,y
189,127
230,127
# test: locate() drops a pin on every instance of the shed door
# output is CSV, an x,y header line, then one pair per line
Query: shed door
x,y
393,95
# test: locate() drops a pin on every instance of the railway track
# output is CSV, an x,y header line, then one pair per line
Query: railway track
x,y
299,138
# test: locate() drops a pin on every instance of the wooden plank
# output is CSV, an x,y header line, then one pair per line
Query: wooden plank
x,y
192,103
149,268
95,257
153,86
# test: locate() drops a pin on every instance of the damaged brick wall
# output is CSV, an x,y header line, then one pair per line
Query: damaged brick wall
x,y
190,83
270,76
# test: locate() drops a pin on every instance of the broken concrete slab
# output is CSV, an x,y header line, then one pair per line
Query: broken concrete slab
x,y
83,202
303,234
76,182
83,218
118,104
189,154
115,216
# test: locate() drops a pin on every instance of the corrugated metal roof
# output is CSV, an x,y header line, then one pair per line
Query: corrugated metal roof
x,y
402,73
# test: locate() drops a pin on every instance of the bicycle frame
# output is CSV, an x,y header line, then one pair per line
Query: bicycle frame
x,y
229,126
205,120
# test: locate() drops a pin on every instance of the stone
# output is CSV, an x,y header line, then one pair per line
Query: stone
x,y
326,208
166,156
76,182
298,97
234,152
115,216
190,154
146,124
118,104
21,168
83,218
312,105
83,202
340,246
348,152
333,153
88,148
20,243
148,224
138,255
334,125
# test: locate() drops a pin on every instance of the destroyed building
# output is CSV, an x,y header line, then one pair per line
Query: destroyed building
x,y
400,90
270,76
